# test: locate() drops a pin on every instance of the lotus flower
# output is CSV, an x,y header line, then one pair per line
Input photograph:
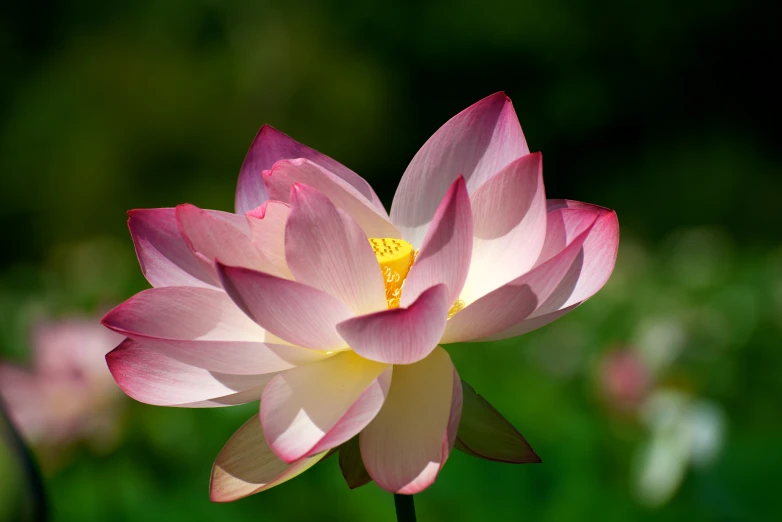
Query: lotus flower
x,y
315,300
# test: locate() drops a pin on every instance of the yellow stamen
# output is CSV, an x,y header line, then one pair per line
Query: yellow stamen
x,y
457,307
395,256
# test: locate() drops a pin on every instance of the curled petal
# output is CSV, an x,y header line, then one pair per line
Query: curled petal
x,y
246,465
400,335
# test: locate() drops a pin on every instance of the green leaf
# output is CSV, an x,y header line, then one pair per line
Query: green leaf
x,y
352,466
485,433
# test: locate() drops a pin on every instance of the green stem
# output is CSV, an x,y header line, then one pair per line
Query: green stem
x,y
405,508
39,504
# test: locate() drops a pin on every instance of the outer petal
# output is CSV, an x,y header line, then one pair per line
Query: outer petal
x,y
218,235
587,275
150,377
246,465
183,313
476,144
326,249
317,407
600,250
515,301
509,225
400,335
271,146
408,442
485,433
279,180
297,313
164,256
267,226
445,253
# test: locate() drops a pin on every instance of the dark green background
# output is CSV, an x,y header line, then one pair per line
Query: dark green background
x,y
665,111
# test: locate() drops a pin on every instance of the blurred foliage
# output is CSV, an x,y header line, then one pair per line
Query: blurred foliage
x,y
663,111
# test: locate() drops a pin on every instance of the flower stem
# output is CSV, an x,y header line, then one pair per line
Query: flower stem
x,y
39,511
405,508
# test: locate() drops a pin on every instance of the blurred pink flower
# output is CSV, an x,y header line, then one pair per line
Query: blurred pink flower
x,y
315,300
67,394
625,379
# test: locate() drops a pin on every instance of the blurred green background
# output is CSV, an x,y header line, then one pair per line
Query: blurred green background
x,y
665,111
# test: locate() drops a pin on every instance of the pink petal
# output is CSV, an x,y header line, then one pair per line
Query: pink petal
x,y
485,433
295,312
326,249
218,235
185,313
164,256
476,144
150,377
509,225
515,301
267,226
271,146
279,180
246,465
317,407
408,442
445,253
600,250
532,323
589,272
400,335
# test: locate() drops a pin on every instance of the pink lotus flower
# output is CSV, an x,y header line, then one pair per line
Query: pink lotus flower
x,y
314,300
67,395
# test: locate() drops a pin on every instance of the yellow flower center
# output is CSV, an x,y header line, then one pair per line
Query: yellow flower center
x,y
395,257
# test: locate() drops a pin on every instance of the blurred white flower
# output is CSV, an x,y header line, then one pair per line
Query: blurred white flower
x,y
683,431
